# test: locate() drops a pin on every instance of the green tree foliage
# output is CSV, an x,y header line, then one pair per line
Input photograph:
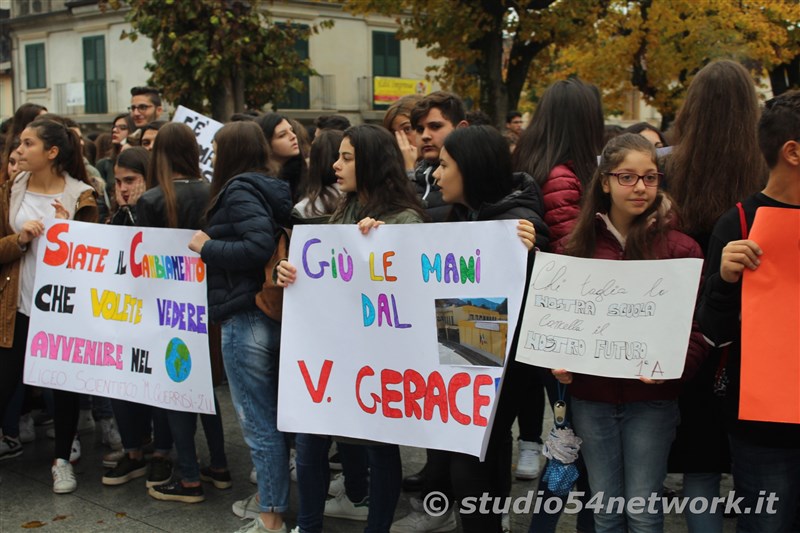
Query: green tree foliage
x,y
218,56
487,45
657,46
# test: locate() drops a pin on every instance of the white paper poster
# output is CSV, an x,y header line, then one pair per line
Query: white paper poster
x,y
204,128
401,335
625,319
120,312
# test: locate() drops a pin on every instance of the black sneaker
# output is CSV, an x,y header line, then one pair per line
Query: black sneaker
x,y
177,492
127,469
160,471
221,480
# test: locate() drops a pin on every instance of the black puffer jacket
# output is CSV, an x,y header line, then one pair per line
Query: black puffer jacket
x,y
429,192
241,224
524,202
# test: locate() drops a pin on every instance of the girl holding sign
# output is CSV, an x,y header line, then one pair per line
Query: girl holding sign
x,y
627,426
52,183
475,177
370,173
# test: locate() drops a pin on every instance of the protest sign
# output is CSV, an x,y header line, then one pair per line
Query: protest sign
x,y
120,312
204,128
623,319
770,372
400,335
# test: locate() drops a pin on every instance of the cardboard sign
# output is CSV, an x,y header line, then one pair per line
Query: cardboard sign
x,y
770,372
401,335
621,319
204,128
120,312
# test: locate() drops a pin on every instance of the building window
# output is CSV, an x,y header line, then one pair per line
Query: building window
x,y
34,66
94,74
299,99
385,54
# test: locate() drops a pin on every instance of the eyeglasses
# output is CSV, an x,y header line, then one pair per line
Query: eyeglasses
x,y
629,179
141,108
122,127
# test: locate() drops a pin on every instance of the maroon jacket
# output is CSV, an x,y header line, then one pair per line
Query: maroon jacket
x,y
675,245
561,194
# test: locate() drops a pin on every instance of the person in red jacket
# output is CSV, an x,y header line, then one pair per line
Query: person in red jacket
x,y
627,425
559,149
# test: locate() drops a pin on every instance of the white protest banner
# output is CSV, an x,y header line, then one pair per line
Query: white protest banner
x,y
204,128
401,335
120,312
622,319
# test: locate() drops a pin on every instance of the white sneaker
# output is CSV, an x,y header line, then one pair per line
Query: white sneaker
x,y
75,452
336,486
254,476
342,507
247,508
50,432
257,526
418,521
85,421
529,465
293,465
10,447
64,480
27,430
110,432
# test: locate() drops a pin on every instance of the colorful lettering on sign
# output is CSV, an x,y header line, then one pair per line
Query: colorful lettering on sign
x,y
418,397
114,306
386,264
368,311
76,256
184,316
345,262
465,270
76,350
175,267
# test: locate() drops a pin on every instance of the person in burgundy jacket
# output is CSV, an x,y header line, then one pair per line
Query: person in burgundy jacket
x,y
559,149
628,425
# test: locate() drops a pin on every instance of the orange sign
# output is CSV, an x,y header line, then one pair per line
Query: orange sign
x,y
770,379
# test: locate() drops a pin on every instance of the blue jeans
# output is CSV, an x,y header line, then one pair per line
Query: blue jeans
x,y
250,350
760,470
705,485
183,425
625,447
313,478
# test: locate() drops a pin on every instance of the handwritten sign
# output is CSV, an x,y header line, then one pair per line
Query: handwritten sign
x,y
770,372
398,336
204,128
120,312
622,319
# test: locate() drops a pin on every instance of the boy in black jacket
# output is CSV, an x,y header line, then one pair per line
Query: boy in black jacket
x,y
766,455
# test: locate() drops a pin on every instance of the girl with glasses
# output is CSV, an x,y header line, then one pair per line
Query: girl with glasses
x,y
627,426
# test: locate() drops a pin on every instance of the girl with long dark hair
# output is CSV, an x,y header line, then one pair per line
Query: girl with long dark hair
x,y
559,149
319,192
52,182
371,175
247,204
285,150
625,216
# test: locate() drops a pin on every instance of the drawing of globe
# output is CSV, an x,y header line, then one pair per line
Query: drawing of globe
x,y
178,360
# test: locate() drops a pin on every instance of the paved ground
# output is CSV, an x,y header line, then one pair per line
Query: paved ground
x,y
27,501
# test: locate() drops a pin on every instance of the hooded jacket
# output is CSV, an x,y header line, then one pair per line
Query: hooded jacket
x,y
523,202
241,223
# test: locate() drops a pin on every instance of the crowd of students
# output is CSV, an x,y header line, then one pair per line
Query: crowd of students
x,y
574,187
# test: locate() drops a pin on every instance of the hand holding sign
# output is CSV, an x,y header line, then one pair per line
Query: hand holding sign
x,y
736,256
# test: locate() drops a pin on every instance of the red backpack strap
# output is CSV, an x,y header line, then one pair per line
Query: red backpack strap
x,y
742,220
